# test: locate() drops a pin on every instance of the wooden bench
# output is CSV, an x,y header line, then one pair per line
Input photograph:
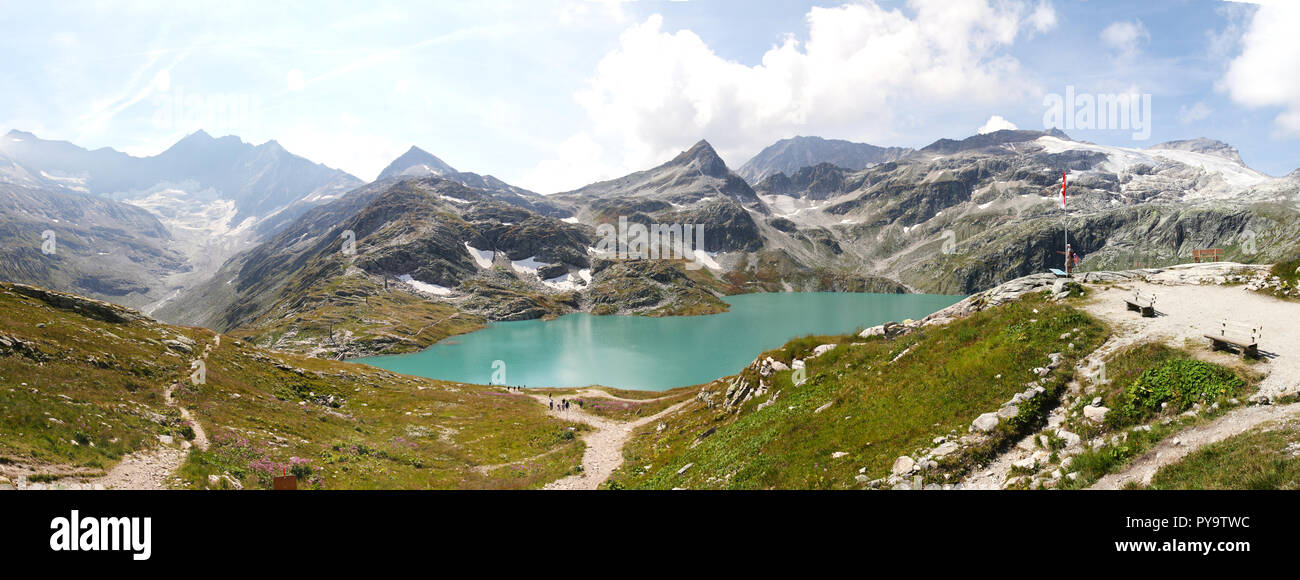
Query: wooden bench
x,y
1210,255
1244,337
1143,303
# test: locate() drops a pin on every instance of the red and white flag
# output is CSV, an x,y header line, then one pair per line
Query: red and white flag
x,y
1062,190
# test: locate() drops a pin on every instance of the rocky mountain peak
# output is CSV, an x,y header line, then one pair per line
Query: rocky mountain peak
x,y
416,162
16,134
790,155
703,156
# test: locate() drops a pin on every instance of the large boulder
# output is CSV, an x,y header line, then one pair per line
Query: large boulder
x,y
1095,413
985,423
904,465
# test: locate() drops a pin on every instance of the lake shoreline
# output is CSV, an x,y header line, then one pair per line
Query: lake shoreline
x,y
630,351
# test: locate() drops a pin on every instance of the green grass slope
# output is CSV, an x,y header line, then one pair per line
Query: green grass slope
x,y
865,403
82,384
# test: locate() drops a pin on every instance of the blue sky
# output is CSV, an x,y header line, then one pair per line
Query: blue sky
x,y
553,94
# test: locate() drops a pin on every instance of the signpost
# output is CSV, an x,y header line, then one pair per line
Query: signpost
x,y
285,481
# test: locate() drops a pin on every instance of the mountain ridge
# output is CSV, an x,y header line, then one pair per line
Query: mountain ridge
x,y
792,154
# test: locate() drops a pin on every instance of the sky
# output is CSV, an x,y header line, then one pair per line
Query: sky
x,y
554,94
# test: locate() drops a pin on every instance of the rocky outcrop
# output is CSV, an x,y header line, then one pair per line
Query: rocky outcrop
x,y
88,307
816,182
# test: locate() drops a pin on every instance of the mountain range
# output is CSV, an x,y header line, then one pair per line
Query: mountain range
x,y
296,256
215,197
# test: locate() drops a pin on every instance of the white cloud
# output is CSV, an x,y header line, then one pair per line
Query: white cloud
x,y
1126,38
573,13
861,70
576,162
341,146
1043,18
1196,112
1222,45
1264,74
996,123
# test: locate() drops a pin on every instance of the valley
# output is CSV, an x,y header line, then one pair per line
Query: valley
x,y
274,294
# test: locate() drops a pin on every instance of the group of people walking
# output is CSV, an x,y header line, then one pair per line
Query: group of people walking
x,y
562,405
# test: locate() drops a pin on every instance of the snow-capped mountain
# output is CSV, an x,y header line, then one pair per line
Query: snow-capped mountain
x,y
994,201
215,196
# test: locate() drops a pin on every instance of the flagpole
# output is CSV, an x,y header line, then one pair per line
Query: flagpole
x,y
1065,225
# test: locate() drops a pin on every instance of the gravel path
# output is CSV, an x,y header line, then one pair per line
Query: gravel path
x,y
605,442
1190,305
149,469
1186,313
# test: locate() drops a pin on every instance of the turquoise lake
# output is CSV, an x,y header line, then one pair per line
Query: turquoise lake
x,y
636,352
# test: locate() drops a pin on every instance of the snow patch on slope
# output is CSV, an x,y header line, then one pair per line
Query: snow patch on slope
x,y
1122,159
481,257
425,286
569,281
527,265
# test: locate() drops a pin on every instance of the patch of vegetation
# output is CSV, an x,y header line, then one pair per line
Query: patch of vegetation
x,y
78,393
1178,383
1267,457
864,403
1140,379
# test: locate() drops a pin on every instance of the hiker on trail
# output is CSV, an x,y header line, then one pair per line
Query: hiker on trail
x,y
580,403
551,404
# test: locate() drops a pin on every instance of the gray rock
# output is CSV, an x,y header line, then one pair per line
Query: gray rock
x,y
1095,414
985,423
903,465
1026,463
822,349
179,346
878,330
1072,440
945,449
